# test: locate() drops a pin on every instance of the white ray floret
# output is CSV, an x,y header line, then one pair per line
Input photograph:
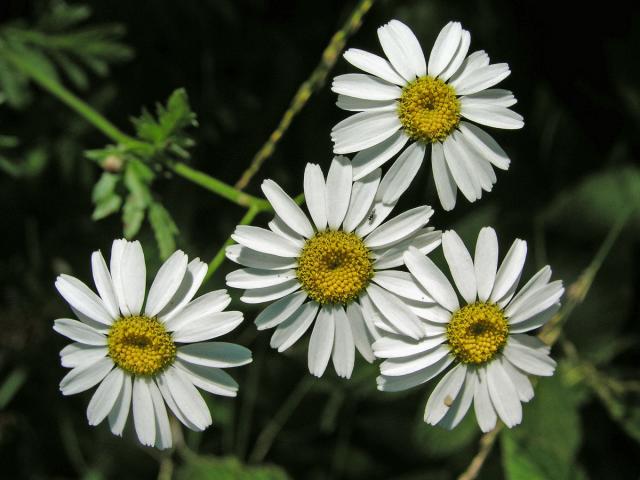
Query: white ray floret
x,y
478,325
320,270
404,99
144,358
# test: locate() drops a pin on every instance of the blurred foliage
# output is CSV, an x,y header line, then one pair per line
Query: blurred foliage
x,y
574,170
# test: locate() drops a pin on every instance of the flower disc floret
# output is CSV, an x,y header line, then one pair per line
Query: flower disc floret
x,y
429,109
477,332
334,267
141,345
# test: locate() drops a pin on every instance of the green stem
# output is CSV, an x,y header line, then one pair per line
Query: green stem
x,y
219,258
114,133
308,87
220,188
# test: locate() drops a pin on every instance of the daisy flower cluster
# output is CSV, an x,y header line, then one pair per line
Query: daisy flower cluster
x,y
356,277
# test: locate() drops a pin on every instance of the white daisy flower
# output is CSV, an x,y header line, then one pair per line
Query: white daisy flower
x,y
147,356
484,336
407,100
338,268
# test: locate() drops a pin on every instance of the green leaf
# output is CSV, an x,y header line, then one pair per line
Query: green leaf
x,y
132,216
227,468
137,178
104,187
164,229
545,445
438,442
106,206
11,385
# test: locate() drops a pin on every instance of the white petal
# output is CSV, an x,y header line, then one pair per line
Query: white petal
x,y
143,411
212,380
486,262
193,277
459,171
426,240
117,251
215,354
493,96
398,346
361,335
133,273
536,321
485,413
105,396
445,183
492,116
352,104
251,258
402,49
504,396
444,394
399,228
208,327
166,284
396,312
104,284
187,397
343,344
458,56
401,284
287,209
81,298
314,194
539,280
403,382
432,312
163,429
469,65
76,354
279,311
534,303
169,399
86,376
530,360
367,87
509,272
79,332
321,342
203,306
403,366
120,411
279,226
373,64
258,278
265,241
267,294
461,404
520,381
460,265
367,160
402,172
338,191
481,169
363,130
362,194
432,279
444,48
485,146
481,79
377,214
289,331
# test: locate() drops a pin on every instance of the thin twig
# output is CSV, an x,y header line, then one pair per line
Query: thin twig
x,y
307,88
576,293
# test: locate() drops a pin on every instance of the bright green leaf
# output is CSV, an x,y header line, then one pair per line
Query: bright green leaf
x,y
164,229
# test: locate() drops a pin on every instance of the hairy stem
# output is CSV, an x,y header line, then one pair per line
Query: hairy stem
x,y
312,84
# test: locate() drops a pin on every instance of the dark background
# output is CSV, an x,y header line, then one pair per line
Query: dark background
x,y
575,73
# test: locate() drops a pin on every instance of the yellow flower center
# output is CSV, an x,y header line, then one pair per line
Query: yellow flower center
x,y
477,332
140,345
428,109
334,267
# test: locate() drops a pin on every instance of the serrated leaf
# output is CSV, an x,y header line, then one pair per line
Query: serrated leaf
x,y
164,228
213,468
137,181
132,216
106,206
545,445
104,187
